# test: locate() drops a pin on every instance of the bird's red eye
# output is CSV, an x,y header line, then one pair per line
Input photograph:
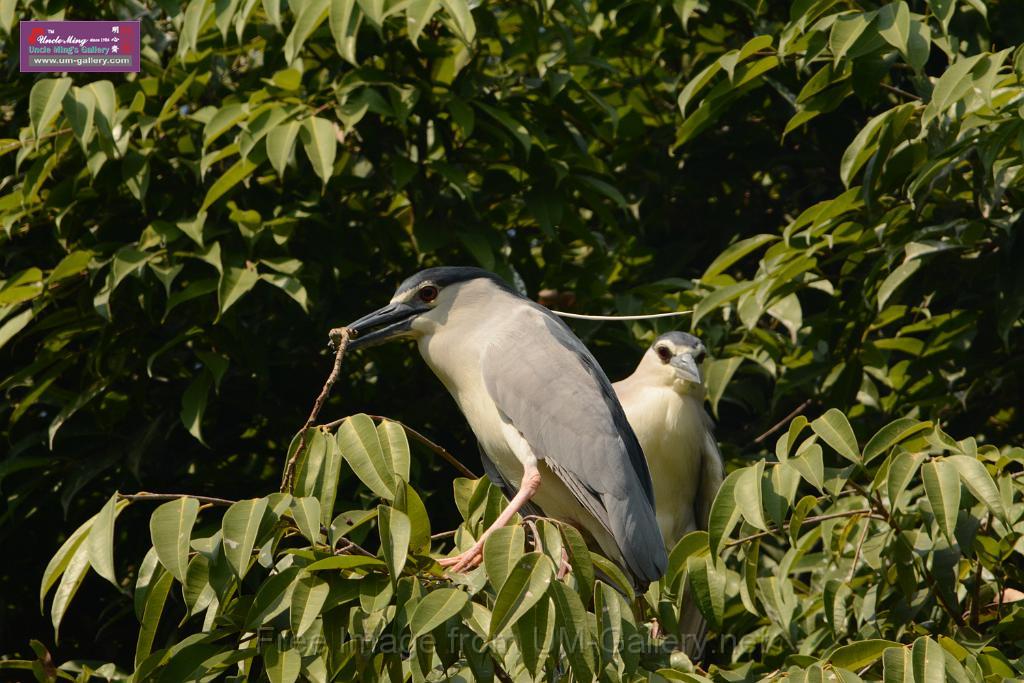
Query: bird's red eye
x,y
428,293
664,353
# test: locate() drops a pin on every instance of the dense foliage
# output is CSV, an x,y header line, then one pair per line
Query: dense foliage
x,y
833,187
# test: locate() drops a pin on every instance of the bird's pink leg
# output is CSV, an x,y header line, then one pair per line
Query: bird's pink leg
x,y
472,557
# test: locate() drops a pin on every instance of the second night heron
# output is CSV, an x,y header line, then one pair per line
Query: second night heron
x,y
543,411
664,401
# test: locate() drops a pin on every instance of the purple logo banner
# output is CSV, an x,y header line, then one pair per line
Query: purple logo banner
x,y
80,46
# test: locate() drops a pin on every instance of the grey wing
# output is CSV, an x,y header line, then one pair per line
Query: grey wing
x,y
528,508
712,473
549,387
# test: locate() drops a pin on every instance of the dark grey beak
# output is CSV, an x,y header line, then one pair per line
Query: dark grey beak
x,y
390,322
688,367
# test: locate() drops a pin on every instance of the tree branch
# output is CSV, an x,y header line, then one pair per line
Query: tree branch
x,y
339,337
820,518
145,495
782,423
437,449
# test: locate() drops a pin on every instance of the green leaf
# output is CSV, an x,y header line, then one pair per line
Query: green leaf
x,y
892,434
942,486
736,251
835,430
395,534
308,598
418,16
952,85
321,145
749,495
281,143
152,611
943,10
708,586
282,667
845,32
459,11
928,660
979,482
394,447
345,18
44,103
718,374
435,608
526,584
60,560
74,572
897,666
894,279
901,471
502,551
306,513
193,404
345,562
73,264
234,284
894,25
15,325
724,512
310,17
239,530
579,560
860,654
272,598
576,637
80,110
238,172
518,130
360,446
101,541
170,528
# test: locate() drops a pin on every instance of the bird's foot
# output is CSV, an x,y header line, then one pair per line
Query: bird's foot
x,y
655,629
464,561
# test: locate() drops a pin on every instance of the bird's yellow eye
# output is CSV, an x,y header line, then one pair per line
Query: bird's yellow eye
x,y
428,293
664,353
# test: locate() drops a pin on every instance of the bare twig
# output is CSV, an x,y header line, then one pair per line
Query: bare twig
x,y
437,449
145,495
784,421
820,518
900,91
856,554
339,337
443,534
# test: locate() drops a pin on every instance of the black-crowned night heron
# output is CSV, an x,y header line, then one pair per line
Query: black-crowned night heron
x,y
542,410
664,401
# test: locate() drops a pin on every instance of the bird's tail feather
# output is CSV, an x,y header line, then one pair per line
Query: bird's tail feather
x,y
636,532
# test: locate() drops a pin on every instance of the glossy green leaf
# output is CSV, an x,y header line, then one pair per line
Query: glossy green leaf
x,y
942,485
526,584
395,534
44,103
435,608
101,541
835,430
309,595
306,513
321,146
502,551
360,446
240,529
170,529
979,482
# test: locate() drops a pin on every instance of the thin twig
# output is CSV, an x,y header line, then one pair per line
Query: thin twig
x,y
339,337
820,518
443,534
145,495
784,421
856,554
976,596
900,91
499,671
437,449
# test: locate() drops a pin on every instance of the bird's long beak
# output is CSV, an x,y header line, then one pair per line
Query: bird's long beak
x,y
390,322
687,367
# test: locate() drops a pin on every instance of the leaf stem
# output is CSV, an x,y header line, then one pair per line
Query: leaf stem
x,y
145,495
